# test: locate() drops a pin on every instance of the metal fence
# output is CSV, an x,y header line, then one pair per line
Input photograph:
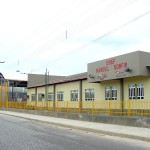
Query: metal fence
x,y
115,107
127,107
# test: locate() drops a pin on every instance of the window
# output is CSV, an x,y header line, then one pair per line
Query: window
x,y
136,91
50,96
33,98
140,91
28,97
40,96
60,96
111,93
132,91
89,94
74,95
107,93
114,93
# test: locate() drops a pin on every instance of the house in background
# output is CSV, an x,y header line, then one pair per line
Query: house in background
x,y
17,89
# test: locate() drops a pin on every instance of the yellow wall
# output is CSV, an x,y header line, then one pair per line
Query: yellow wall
x,y
50,88
40,90
110,83
137,80
99,88
66,88
30,92
95,86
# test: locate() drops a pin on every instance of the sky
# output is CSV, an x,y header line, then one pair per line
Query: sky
x,y
63,36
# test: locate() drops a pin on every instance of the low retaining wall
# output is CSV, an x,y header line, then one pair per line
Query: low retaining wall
x,y
108,119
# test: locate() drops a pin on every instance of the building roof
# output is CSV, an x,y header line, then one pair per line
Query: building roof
x,y
17,83
35,80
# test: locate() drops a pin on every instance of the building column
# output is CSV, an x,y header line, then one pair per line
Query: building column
x,y
121,96
54,100
80,97
36,94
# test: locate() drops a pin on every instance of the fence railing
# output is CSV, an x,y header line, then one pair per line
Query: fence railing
x,y
127,107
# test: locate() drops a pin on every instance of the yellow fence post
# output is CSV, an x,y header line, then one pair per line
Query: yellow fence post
x,y
67,106
35,105
6,95
56,106
92,107
109,108
48,106
129,108
79,106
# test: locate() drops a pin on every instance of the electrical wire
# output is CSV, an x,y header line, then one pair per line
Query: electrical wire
x,y
101,37
104,17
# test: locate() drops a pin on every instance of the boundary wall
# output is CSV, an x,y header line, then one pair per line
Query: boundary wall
x,y
135,121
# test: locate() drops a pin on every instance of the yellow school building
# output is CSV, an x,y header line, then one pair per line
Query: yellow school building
x,y
118,85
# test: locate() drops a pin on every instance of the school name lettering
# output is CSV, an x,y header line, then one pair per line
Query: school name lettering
x,y
115,66
120,66
102,69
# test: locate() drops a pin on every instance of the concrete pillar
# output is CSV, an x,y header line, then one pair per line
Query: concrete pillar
x,y
121,96
80,93
54,100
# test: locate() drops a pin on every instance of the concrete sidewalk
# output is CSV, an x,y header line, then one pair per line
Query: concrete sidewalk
x,y
109,129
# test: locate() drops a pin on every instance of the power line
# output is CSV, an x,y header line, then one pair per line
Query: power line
x,y
122,26
108,11
54,22
105,35
42,27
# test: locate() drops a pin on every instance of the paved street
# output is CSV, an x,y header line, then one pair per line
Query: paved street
x,y
21,134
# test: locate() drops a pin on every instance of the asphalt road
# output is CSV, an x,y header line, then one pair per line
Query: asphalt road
x,y
21,134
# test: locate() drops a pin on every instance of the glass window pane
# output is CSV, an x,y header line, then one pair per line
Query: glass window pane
x,y
132,91
107,93
114,93
140,91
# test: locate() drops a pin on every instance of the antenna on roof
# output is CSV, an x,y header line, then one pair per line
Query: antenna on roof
x,y
18,67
